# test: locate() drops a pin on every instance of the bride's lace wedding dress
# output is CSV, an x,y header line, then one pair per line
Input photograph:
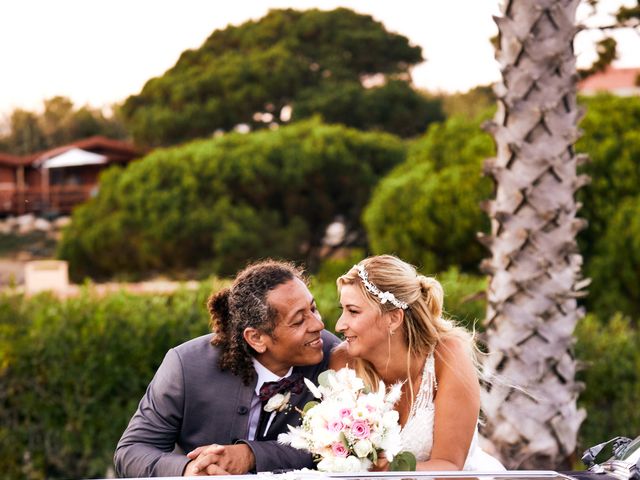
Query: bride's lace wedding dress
x,y
417,433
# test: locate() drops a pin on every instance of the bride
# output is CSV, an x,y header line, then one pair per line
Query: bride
x,y
394,331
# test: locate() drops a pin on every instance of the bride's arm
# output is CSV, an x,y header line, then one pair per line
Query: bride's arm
x,y
457,405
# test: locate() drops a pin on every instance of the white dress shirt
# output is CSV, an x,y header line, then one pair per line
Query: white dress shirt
x,y
264,375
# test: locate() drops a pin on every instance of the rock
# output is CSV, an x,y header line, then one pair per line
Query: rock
x,y
5,228
42,225
25,223
61,222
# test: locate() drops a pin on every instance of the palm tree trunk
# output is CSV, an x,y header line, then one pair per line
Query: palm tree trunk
x,y
535,279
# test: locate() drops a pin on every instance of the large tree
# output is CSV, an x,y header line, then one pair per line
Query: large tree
x,y
426,209
311,61
218,203
25,134
535,278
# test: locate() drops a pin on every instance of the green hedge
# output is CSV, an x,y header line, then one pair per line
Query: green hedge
x,y
611,374
72,372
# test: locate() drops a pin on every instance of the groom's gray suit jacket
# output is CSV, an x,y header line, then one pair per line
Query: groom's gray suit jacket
x,y
190,403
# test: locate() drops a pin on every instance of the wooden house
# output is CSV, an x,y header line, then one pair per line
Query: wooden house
x,y
56,180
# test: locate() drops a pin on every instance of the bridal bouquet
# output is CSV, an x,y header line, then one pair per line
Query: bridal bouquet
x,y
349,427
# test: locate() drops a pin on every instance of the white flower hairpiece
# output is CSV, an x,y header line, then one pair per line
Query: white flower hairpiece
x,y
383,296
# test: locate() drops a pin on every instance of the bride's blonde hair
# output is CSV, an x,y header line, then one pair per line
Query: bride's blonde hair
x,y
424,325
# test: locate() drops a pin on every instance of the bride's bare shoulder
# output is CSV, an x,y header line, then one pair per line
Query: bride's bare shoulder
x,y
339,357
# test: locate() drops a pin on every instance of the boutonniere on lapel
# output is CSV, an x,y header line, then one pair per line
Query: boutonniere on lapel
x,y
278,403
275,396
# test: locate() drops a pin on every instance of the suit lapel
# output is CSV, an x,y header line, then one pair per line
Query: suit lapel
x,y
290,416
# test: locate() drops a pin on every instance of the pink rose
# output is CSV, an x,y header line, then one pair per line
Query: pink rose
x,y
345,412
339,450
335,426
360,429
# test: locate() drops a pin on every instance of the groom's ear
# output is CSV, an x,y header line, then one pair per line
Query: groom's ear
x,y
255,338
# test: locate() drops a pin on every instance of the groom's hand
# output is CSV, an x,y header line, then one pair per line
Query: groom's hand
x,y
382,465
192,471
220,460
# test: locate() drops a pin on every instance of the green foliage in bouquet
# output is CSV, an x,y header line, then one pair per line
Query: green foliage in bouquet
x,y
217,204
427,209
403,462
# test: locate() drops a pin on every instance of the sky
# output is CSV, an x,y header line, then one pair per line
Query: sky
x,y
97,52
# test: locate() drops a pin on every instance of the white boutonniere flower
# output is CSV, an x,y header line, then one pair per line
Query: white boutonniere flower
x,y
278,403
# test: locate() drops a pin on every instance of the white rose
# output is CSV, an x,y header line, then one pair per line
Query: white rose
x,y
327,464
339,464
354,464
376,438
363,448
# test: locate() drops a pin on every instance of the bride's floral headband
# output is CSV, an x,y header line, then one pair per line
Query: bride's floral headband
x,y
383,296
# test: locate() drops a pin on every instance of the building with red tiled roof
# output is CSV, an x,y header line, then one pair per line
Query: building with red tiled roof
x,y
117,151
10,160
618,81
58,179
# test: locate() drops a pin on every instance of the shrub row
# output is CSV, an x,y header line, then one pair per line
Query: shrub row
x,y
72,372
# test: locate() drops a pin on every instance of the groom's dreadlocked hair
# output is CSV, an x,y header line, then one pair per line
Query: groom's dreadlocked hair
x,y
244,305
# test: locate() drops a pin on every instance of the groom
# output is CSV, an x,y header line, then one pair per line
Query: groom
x,y
210,396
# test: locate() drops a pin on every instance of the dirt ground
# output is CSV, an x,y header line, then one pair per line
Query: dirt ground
x,y
12,277
17,251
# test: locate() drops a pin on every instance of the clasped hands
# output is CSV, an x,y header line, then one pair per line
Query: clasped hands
x,y
220,460
381,465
